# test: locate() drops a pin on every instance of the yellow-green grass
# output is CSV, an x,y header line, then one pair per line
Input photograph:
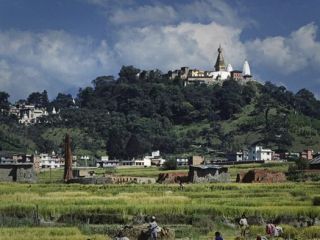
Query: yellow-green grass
x,y
46,233
230,199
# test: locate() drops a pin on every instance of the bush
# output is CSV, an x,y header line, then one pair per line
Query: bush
x,y
316,201
170,164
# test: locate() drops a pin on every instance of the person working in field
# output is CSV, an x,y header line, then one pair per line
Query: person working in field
x,y
153,228
121,236
244,226
218,236
273,230
181,186
261,238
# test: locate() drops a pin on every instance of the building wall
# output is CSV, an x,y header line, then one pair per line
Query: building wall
x,y
257,153
196,160
17,173
7,174
202,175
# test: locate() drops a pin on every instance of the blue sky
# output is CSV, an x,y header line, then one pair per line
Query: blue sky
x,y
61,45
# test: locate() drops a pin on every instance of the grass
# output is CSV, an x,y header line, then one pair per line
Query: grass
x,y
193,212
230,200
47,233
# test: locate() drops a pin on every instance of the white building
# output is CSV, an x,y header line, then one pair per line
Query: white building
x,y
49,160
258,153
146,162
27,113
156,158
106,162
182,161
220,73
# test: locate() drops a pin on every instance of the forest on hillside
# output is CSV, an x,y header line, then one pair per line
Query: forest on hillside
x,y
138,112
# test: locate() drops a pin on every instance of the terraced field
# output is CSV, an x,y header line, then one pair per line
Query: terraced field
x,y
201,208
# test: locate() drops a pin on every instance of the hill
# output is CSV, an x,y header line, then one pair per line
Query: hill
x,y
130,116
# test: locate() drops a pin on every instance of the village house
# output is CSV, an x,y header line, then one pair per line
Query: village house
x,y
315,163
182,161
238,156
196,160
258,153
156,158
307,154
28,114
50,160
106,162
147,161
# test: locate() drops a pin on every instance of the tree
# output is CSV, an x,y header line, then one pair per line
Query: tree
x,y
136,146
102,81
307,103
128,74
117,142
170,164
63,101
4,102
39,99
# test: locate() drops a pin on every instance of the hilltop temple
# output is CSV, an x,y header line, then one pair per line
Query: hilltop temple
x,y
221,73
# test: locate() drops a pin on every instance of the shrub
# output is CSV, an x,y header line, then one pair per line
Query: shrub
x,y
316,201
170,164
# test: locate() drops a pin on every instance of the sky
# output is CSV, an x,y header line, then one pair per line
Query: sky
x,y
62,45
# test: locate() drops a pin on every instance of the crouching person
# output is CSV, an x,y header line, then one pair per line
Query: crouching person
x,y
121,236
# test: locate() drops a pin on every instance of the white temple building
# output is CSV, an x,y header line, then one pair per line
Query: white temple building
x,y
220,73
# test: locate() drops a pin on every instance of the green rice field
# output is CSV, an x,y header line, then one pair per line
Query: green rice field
x,y
74,211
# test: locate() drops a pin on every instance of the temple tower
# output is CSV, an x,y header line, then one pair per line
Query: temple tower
x,y
220,65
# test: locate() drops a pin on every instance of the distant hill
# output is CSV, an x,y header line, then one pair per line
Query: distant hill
x,y
130,116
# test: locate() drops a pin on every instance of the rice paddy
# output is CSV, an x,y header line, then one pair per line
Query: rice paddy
x,y
200,208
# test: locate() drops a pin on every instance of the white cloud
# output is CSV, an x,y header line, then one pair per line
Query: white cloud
x,y
156,12
144,15
212,10
186,44
289,54
148,36
50,60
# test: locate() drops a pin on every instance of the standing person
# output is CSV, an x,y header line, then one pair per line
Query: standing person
x,y
181,186
218,236
153,228
243,225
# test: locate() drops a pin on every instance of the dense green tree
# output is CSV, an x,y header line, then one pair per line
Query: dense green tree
x,y
128,74
4,101
307,103
170,164
63,101
39,99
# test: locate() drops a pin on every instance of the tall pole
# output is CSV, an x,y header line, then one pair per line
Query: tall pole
x,y
68,159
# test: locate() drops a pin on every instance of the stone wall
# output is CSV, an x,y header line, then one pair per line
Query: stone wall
x,y
208,174
173,177
110,179
261,176
17,173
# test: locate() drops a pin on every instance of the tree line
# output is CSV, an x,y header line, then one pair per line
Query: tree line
x,y
138,112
